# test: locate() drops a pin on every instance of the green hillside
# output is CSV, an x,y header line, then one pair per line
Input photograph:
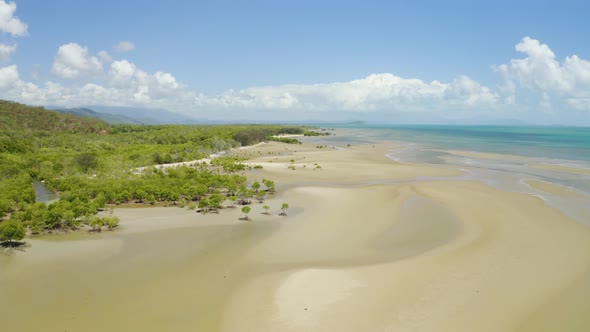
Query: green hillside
x,y
89,164
15,117
107,117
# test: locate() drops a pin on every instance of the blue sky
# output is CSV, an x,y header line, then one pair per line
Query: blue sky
x,y
405,61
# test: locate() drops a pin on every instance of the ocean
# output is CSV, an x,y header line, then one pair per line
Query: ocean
x,y
504,157
562,143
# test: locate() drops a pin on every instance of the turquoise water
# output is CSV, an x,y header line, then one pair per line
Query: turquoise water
x,y
429,144
569,143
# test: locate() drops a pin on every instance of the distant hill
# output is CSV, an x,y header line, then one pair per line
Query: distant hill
x,y
15,117
107,117
151,116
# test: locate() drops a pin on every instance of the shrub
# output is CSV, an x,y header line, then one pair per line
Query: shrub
x,y
12,231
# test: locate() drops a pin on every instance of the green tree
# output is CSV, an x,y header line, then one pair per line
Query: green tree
x,y
141,195
4,207
12,231
70,220
96,224
215,201
124,196
151,199
260,196
53,218
284,207
256,186
204,204
246,210
270,185
111,222
100,200
266,208
87,161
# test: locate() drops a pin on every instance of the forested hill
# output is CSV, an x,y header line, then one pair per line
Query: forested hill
x,y
107,117
15,117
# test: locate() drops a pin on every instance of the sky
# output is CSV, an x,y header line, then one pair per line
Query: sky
x,y
461,62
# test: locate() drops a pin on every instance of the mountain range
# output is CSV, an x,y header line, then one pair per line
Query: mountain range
x,y
129,115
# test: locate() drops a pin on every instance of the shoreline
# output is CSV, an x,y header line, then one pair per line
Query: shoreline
x,y
202,160
431,251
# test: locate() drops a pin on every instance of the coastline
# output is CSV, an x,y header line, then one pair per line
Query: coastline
x,y
469,257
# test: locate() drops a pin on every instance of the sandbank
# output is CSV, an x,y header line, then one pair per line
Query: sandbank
x,y
560,168
368,244
553,189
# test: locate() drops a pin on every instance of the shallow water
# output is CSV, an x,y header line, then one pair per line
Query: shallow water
x,y
43,194
527,146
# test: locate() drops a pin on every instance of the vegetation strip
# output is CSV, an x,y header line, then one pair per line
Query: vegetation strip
x,y
90,163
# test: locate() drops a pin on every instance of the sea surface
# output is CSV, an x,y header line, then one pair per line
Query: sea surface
x,y
560,143
511,160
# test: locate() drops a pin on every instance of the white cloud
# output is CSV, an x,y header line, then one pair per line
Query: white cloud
x,y
8,77
124,46
5,51
73,61
550,82
542,73
105,57
126,84
122,73
377,92
166,80
8,22
11,25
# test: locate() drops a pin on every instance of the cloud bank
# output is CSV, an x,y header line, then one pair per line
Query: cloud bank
x,y
537,83
100,80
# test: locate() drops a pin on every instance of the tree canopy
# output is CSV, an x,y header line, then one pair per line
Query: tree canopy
x,y
90,164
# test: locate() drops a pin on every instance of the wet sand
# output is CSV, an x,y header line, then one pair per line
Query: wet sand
x,y
559,168
355,253
553,189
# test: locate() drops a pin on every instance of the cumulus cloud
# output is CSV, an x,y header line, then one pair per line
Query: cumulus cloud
x,y
10,23
8,77
73,61
377,92
105,57
5,51
122,83
124,46
542,73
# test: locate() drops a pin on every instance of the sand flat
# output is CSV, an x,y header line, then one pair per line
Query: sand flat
x,y
433,255
553,189
501,267
560,168
485,155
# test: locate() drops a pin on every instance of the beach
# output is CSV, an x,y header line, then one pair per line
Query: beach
x,y
368,244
